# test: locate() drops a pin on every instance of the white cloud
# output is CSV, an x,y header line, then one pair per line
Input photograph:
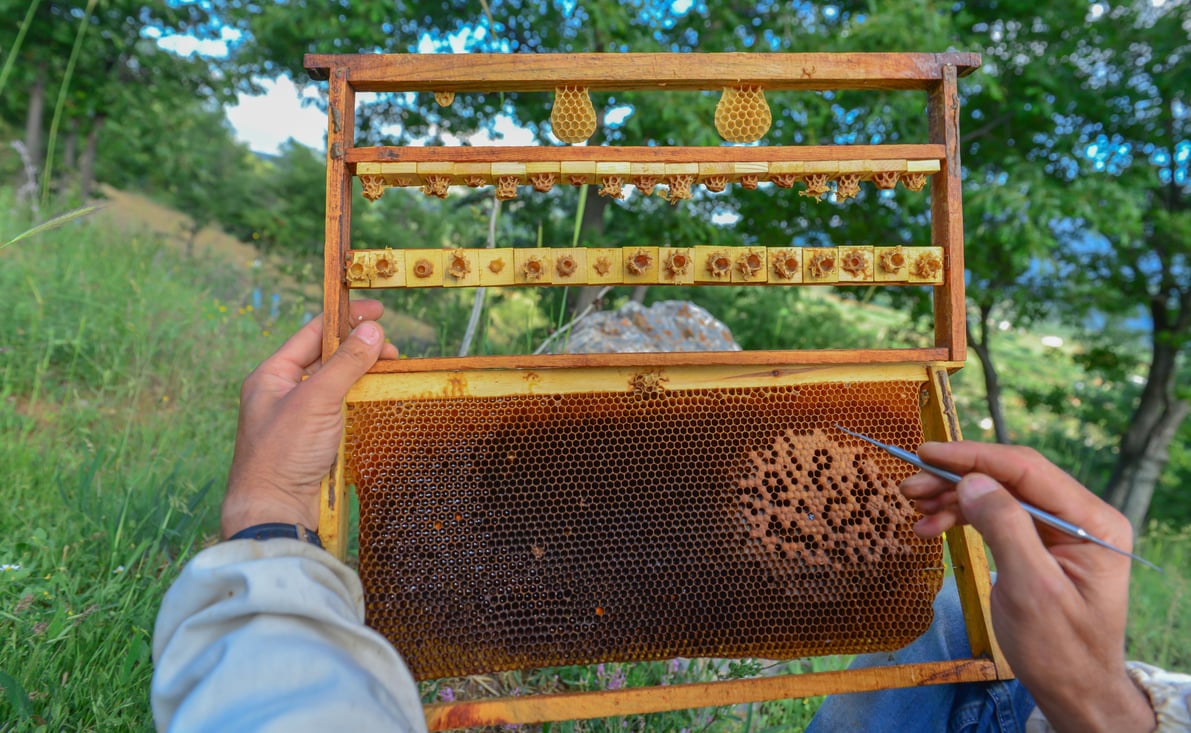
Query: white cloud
x,y
265,121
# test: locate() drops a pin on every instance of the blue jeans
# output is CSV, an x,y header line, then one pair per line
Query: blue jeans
x,y
970,707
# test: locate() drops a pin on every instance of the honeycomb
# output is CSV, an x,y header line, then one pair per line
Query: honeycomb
x,y
716,184
612,186
816,186
543,182
436,185
506,187
680,187
742,116
893,260
885,179
532,530
444,99
374,187
646,184
847,186
573,118
914,181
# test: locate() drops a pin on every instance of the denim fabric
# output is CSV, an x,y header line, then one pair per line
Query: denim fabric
x,y
972,707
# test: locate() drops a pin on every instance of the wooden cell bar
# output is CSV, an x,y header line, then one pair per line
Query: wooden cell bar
x,y
635,701
774,360
525,72
645,265
643,154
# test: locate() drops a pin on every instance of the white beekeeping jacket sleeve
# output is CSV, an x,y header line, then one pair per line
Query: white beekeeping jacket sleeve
x,y
270,636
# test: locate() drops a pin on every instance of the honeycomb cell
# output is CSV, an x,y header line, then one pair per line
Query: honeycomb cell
x,y
573,118
460,266
475,180
436,185
543,182
646,184
847,186
386,264
742,115
913,181
885,179
716,184
680,187
374,187
927,266
612,187
524,531
506,187
892,261
816,186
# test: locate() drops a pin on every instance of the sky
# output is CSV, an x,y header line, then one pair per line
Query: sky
x,y
267,120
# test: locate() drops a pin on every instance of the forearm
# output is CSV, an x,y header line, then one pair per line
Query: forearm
x,y
270,636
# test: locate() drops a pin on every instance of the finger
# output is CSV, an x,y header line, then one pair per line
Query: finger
x,y
365,309
350,361
1027,474
936,504
1006,527
924,486
298,352
933,525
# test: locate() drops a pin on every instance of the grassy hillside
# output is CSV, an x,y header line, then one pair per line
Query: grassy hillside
x,y
120,362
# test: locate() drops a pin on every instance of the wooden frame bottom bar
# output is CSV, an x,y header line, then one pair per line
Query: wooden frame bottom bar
x,y
641,700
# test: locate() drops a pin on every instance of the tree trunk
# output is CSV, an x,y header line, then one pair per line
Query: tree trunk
x,y
35,117
992,383
1144,448
87,164
70,154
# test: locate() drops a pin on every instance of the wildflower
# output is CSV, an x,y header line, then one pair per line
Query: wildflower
x,y
165,398
119,569
446,694
223,309
10,566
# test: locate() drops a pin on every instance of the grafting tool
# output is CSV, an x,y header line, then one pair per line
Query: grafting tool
x,y
1039,515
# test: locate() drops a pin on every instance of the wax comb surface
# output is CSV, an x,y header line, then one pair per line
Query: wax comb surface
x,y
536,530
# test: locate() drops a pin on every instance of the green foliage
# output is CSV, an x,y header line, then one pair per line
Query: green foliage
x,y
119,371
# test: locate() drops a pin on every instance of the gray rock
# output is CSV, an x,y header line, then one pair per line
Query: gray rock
x,y
671,325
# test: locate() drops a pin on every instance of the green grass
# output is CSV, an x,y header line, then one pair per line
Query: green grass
x,y
120,362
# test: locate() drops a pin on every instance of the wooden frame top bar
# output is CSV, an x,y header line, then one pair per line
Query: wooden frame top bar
x,y
606,72
644,154
763,359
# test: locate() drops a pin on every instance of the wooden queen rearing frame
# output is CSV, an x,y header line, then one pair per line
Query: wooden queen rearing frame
x,y
529,511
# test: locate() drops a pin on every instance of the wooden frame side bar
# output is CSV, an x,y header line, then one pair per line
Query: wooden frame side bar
x,y
775,360
574,706
947,221
643,154
968,559
341,126
533,72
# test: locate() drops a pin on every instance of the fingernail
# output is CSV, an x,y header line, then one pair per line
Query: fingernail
x,y
977,485
368,333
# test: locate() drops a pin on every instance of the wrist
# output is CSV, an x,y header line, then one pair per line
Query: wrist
x,y
1117,706
240,512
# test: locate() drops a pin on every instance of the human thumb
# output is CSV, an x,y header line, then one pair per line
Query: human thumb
x,y
351,360
1006,527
